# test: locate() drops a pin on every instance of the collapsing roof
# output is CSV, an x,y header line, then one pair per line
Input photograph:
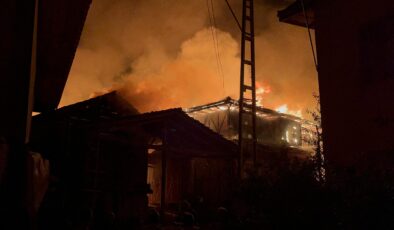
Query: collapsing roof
x,y
273,128
228,101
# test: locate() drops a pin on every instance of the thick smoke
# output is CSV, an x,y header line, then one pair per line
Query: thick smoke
x,y
160,54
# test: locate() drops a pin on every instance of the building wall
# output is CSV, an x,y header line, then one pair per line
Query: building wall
x,y
178,180
189,178
355,48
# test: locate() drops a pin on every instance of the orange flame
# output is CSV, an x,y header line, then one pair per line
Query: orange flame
x,y
284,109
260,91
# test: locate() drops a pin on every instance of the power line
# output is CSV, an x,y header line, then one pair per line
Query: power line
x,y
212,21
217,45
309,34
235,17
213,35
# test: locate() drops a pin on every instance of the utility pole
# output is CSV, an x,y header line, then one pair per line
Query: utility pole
x,y
247,106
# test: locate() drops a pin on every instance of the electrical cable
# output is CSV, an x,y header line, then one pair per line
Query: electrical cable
x,y
215,42
309,34
235,17
217,46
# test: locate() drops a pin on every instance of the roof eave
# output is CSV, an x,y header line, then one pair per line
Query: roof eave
x,y
294,14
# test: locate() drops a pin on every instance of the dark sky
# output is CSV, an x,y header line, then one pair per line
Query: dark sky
x,y
161,54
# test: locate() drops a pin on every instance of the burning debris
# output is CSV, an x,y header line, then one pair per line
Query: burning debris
x,y
274,128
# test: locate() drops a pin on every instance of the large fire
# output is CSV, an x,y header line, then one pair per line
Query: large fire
x,y
284,109
174,63
262,90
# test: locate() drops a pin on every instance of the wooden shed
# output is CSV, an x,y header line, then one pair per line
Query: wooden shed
x,y
186,159
96,170
106,158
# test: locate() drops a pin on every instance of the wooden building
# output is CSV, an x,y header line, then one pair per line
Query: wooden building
x,y
95,170
187,159
106,158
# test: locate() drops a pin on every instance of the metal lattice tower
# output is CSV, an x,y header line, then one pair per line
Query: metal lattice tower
x,y
247,106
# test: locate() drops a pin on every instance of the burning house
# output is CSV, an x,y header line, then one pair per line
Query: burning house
x,y
273,128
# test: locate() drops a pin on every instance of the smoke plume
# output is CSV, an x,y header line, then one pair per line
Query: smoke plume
x,y
161,54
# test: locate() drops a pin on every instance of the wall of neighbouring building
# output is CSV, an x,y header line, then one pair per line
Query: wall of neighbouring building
x,y
356,80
